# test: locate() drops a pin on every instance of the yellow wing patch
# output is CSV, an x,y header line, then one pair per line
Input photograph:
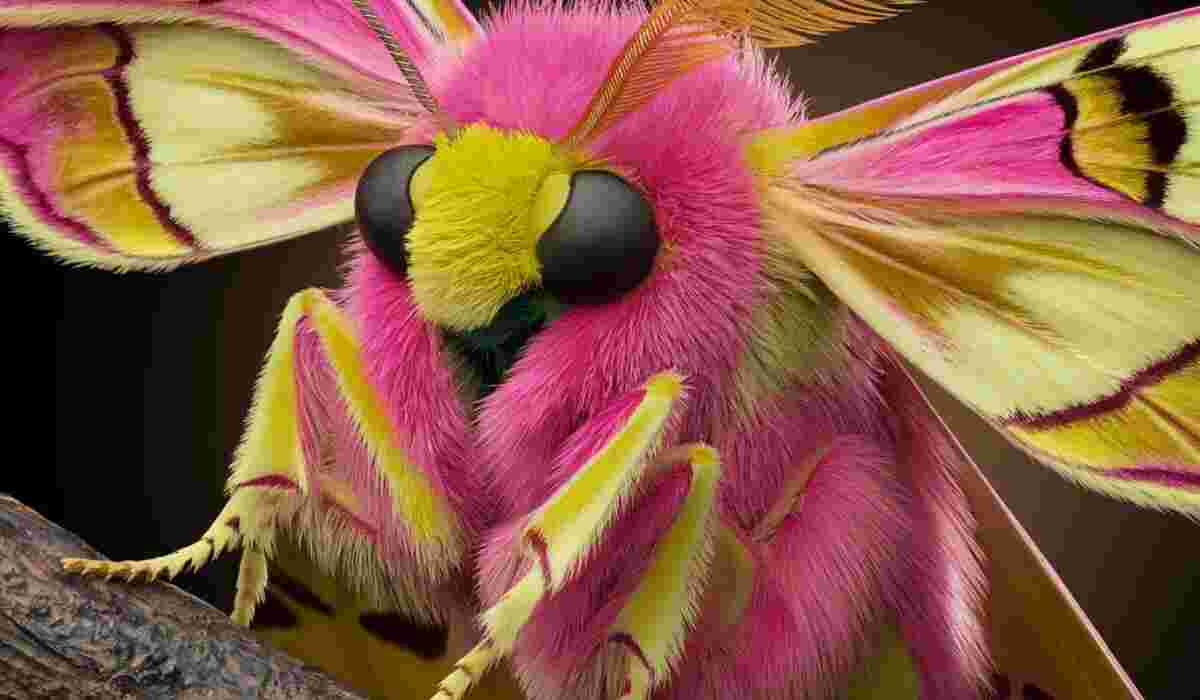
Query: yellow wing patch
x,y
1079,339
90,170
1033,275
419,505
1157,417
450,18
1130,103
377,651
152,146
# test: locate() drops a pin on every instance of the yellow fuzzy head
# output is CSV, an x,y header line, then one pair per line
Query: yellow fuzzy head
x,y
481,202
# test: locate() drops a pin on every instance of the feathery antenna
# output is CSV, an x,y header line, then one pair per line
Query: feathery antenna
x,y
680,35
408,69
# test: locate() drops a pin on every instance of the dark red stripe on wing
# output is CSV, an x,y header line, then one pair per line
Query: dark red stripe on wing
x,y
1144,92
37,199
1070,109
1173,478
1153,374
274,481
1146,97
1102,55
137,137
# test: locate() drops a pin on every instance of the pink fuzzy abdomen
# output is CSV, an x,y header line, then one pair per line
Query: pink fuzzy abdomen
x,y
879,537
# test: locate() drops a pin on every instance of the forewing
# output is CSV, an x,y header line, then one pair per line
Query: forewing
x,y
1040,642
998,79
330,33
379,651
1035,250
152,134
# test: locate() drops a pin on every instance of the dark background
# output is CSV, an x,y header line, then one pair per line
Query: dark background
x,y
137,385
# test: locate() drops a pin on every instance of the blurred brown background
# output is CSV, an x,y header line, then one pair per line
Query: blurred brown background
x,y
152,374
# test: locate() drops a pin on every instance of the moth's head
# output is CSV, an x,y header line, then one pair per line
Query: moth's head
x,y
541,226
490,220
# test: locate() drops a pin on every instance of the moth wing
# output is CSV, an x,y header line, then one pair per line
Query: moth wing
x,y
155,134
328,33
1034,250
999,78
1038,637
381,652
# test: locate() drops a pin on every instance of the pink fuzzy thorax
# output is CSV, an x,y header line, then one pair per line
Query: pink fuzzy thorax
x,y
686,149
875,541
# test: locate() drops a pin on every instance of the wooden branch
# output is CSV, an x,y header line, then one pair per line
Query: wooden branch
x,y
64,636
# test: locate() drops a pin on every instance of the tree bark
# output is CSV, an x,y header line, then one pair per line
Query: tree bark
x,y
64,636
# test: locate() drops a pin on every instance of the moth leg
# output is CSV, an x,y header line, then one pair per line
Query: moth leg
x,y
225,533
271,469
559,534
791,496
652,625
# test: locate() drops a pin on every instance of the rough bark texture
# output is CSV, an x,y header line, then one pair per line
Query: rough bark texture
x,y
63,636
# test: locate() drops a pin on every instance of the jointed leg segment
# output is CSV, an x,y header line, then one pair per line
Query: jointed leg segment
x,y
247,520
654,622
559,534
271,469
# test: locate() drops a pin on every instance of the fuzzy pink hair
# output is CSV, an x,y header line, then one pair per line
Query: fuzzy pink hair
x,y
840,565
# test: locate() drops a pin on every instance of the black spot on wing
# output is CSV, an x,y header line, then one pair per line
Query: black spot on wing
x,y
1145,92
1070,108
1102,55
273,613
1145,95
299,592
424,640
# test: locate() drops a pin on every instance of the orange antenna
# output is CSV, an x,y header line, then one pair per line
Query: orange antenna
x,y
680,35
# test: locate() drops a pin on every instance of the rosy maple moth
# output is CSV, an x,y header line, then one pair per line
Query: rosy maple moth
x,y
613,388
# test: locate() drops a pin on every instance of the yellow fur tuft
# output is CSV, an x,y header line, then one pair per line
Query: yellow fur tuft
x,y
472,246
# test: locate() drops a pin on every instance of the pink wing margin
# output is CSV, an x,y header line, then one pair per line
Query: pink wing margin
x,y
1096,127
330,33
885,112
965,227
113,154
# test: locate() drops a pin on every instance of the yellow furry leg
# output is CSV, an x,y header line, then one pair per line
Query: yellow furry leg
x,y
271,463
560,532
251,585
468,671
247,519
219,537
654,622
269,460
638,679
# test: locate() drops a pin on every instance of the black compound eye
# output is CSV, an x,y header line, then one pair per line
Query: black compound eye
x,y
383,203
602,244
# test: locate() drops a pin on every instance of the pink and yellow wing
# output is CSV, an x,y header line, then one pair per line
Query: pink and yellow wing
x,y
1001,78
146,135
329,33
1031,240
